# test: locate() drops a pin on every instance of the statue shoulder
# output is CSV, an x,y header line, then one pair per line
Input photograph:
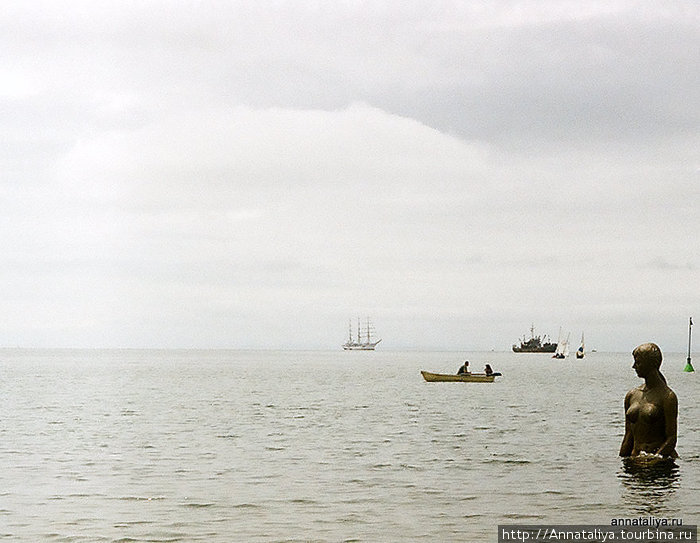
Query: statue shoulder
x,y
671,396
633,392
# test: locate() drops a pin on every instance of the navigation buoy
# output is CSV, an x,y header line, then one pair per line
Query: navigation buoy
x,y
688,365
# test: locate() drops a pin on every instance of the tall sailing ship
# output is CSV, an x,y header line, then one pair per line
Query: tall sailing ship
x,y
363,341
536,344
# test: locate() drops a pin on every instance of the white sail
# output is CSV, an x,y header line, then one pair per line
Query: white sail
x,y
562,347
580,353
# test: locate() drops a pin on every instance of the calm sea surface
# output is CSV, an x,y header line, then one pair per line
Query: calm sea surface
x,y
219,446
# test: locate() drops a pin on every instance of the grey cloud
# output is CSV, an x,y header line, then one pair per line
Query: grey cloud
x,y
660,263
173,173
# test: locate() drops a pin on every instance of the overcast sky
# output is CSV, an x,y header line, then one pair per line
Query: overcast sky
x,y
253,174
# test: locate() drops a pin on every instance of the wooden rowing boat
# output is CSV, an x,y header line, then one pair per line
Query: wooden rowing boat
x,y
464,378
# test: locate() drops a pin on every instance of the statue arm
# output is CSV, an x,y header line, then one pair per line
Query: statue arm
x,y
668,447
628,441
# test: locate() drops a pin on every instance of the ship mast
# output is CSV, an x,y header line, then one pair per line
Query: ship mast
x,y
359,340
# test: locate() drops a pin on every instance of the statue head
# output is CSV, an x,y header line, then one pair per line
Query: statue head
x,y
647,358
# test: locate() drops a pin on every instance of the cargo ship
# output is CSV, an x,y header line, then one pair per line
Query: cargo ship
x,y
536,344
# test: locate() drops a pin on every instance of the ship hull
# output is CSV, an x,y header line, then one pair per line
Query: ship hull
x,y
360,346
546,348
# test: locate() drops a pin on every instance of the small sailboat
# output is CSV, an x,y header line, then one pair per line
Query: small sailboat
x,y
562,348
581,351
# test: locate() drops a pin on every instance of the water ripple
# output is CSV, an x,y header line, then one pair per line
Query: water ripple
x,y
165,446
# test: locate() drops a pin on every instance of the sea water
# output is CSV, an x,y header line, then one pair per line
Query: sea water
x,y
221,446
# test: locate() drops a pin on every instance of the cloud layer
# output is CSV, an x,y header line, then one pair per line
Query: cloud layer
x,y
253,176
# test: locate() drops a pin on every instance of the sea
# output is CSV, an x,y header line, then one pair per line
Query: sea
x,y
327,446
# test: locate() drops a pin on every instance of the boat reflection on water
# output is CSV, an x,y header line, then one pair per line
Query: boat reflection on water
x,y
648,482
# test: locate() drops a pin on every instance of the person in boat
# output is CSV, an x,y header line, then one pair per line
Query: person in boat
x,y
488,370
464,368
651,409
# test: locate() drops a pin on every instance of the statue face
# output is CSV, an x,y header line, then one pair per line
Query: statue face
x,y
642,365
